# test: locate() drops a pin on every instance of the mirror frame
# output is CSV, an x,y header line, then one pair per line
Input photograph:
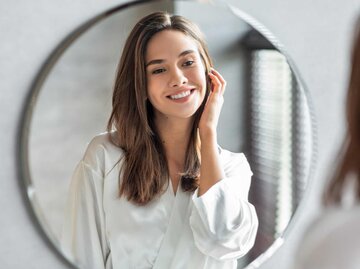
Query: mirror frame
x,y
24,174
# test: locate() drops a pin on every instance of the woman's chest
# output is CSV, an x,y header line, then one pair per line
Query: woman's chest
x,y
137,233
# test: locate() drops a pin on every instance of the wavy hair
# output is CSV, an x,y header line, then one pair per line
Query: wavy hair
x,y
145,174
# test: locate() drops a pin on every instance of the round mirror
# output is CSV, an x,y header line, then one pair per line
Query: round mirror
x,y
266,113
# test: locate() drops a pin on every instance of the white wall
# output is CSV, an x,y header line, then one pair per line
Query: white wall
x,y
316,34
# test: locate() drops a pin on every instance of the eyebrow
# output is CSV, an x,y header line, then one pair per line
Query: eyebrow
x,y
159,61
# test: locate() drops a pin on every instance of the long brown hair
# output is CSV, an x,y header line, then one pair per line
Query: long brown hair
x,y
145,173
351,151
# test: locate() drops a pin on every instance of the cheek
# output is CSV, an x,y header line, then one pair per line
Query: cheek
x,y
150,92
155,82
199,76
152,100
203,79
151,96
154,87
151,87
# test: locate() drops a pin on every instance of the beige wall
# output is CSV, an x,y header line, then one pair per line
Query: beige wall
x,y
316,34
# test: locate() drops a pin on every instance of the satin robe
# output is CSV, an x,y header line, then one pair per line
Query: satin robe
x,y
182,231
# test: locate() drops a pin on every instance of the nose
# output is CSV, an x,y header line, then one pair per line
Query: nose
x,y
178,78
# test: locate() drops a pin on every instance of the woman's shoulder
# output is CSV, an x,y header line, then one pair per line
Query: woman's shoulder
x,y
230,158
102,154
334,219
331,239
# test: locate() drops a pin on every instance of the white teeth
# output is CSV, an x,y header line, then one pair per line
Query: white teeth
x,y
180,95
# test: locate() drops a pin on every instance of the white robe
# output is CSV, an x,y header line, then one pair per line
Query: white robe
x,y
102,230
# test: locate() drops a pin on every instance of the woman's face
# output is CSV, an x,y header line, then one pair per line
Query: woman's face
x,y
176,80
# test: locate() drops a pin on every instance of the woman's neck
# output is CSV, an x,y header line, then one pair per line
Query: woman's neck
x,y
175,135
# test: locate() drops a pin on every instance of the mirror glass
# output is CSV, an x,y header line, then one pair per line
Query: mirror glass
x,y
266,113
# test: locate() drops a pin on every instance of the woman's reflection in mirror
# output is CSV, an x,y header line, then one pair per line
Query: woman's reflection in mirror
x,y
334,239
156,190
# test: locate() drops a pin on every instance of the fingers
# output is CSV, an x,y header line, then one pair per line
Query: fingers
x,y
214,102
218,81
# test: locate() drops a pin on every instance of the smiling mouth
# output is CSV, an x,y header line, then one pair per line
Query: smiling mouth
x,y
180,95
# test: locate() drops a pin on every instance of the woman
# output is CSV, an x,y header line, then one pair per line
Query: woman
x,y
156,191
334,239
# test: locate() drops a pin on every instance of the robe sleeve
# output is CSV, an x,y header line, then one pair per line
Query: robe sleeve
x,y
223,222
84,238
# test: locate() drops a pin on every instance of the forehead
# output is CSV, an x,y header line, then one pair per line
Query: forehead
x,y
169,43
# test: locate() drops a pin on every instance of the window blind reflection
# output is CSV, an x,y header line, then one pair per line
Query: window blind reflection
x,y
276,115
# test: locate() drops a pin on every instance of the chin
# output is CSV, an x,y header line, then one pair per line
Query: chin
x,y
184,116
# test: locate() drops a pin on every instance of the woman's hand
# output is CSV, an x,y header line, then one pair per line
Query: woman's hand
x,y
210,116
211,171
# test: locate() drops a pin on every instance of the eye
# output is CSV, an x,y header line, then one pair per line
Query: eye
x,y
158,71
188,63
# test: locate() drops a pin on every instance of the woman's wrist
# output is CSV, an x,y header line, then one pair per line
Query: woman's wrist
x,y
210,169
208,135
